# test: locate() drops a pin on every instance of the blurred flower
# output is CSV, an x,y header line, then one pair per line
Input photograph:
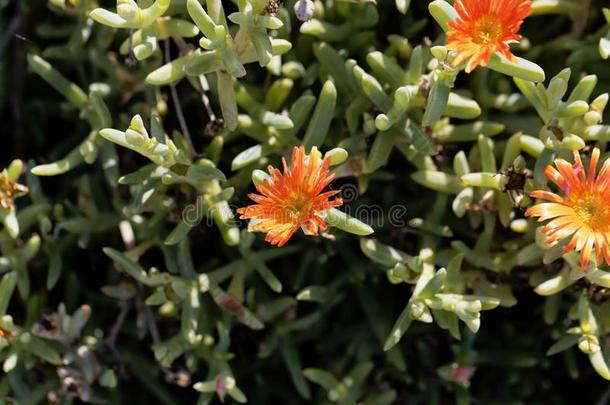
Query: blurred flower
x,y
60,326
461,373
7,330
9,190
484,27
292,199
584,210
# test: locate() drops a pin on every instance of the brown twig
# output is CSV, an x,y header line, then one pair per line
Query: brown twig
x,y
152,325
10,33
580,22
118,324
178,106
184,48
206,100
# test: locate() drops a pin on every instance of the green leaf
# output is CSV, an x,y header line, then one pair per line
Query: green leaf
x,y
248,156
170,72
231,304
7,286
600,362
293,363
321,377
439,181
562,344
438,98
226,97
519,68
134,269
198,173
70,91
381,150
383,254
201,18
341,220
55,266
398,330
40,348
443,13
180,232
419,140
322,117
238,395
267,275
334,63
313,293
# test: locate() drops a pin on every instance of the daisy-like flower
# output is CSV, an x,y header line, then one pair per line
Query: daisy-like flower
x,y
292,199
584,210
484,27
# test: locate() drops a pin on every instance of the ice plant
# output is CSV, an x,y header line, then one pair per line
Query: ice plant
x,y
292,199
582,213
484,27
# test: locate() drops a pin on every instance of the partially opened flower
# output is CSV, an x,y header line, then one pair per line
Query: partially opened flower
x,y
9,190
292,199
484,27
8,331
584,210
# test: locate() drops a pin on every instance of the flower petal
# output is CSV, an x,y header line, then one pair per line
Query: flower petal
x,y
546,195
548,210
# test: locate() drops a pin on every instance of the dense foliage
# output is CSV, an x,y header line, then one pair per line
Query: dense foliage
x,y
135,130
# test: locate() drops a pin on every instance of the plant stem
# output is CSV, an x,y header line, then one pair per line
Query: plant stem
x,y
178,106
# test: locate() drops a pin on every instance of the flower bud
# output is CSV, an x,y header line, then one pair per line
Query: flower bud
x,y
572,142
592,118
304,9
589,344
439,52
337,156
127,9
599,104
135,138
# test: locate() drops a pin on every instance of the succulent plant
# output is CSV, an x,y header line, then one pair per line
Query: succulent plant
x,y
396,155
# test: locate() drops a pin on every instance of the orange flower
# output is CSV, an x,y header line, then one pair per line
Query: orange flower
x,y
584,210
484,27
292,199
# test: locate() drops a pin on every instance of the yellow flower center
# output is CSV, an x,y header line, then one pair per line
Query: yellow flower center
x,y
593,209
487,30
297,206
